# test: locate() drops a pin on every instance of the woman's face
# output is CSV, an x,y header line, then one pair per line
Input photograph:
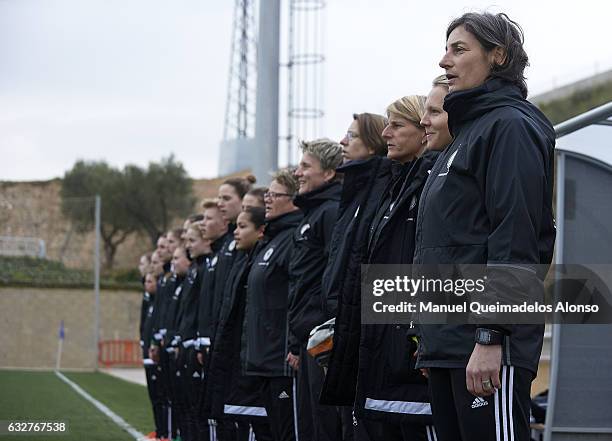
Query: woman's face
x,y
246,234
180,262
405,140
230,204
196,245
162,249
173,241
352,145
435,120
250,201
278,200
311,175
143,264
157,264
150,284
466,62
185,228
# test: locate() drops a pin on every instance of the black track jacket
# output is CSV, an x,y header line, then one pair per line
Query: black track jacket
x,y
311,238
364,183
388,386
266,328
488,201
211,296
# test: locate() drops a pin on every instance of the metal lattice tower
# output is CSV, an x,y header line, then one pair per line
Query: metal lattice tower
x,y
241,90
306,59
251,129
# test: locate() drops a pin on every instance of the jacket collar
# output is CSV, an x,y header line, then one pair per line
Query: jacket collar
x,y
311,200
469,104
218,244
282,222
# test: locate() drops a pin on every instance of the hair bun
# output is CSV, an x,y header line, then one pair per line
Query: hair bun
x,y
251,179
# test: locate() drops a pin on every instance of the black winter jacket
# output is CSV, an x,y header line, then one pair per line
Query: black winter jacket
x,y
364,183
166,285
312,239
187,321
227,386
171,317
146,328
211,292
266,325
389,387
489,201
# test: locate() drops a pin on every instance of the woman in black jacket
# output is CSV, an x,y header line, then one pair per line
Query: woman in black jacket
x,y
389,388
366,172
265,345
234,395
491,195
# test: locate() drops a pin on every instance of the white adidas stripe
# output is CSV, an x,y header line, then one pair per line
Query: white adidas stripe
x,y
510,403
295,410
504,420
497,425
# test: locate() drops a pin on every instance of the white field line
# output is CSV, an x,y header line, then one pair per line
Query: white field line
x,y
102,408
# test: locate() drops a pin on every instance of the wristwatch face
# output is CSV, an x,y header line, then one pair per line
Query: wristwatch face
x,y
487,337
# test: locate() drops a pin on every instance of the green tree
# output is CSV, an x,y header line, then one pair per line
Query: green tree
x,y
80,185
157,195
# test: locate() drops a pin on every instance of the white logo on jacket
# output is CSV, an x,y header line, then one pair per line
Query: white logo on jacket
x,y
450,162
213,262
268,254
232,245
304,228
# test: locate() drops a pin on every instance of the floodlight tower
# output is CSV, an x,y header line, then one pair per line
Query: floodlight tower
x,y
239,124
305,74
251,131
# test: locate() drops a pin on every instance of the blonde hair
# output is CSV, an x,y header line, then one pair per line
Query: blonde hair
x,y
411,108
287,179
209,203
328,152
441,81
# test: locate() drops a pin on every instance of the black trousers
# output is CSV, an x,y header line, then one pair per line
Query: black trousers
x,y
158,400
460,416
166,387
177,396
278,395
373,430
192,374
326,422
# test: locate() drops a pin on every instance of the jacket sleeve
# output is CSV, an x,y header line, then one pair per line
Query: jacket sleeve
x,y
305,304
515,188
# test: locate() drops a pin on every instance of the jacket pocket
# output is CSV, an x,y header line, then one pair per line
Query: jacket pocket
x,y
399,357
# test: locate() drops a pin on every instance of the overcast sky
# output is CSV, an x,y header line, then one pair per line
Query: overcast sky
x,y
131,81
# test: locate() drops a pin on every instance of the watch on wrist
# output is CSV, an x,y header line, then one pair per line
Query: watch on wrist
x,y
488,337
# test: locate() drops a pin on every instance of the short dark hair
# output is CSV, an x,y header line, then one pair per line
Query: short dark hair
x,y
259,194
257,215
177,233
241,185
196,217
492,30
371,127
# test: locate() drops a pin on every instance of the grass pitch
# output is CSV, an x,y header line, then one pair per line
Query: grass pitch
x,y
42,396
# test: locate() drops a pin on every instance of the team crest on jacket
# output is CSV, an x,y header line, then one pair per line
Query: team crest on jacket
x,y
268,254
193,273
413,202
232,245
450,161
213,262
304,228
177,291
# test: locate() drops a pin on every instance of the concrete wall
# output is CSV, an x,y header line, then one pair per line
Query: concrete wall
x,y
30,319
